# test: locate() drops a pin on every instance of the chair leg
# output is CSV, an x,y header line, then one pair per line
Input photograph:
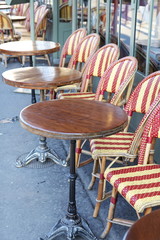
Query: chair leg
x,y
95,170
100,188
5,60
48,60
78,152
111,212
147,211
23,60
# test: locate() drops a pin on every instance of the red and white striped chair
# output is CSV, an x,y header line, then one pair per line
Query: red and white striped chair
x,y
70,44
97,65
84,50
140,184
123,145
117,81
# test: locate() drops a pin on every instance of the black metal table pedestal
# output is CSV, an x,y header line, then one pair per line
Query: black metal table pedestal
x,y
72,224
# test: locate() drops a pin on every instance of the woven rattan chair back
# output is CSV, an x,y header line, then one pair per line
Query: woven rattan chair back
x,y
85,49
98,63
39,12
143,95
121,71
7,32
150,133
22,10
27,21
70,44
41,26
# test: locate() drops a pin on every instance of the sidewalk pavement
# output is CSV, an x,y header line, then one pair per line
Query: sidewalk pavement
x,y
33,198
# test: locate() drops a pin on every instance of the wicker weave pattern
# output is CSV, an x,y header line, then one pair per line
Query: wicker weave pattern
x,y
120,71
71,43
85,49
89,96
151,131
98,63
113,145
139,184
144,94
126,144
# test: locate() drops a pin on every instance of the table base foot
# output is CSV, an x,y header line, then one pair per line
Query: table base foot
x,y
71,228
41,154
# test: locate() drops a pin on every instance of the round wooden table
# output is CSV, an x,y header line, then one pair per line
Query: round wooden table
x,y
2,3
72,119
41,78
146,228
15,18
29,48
3,7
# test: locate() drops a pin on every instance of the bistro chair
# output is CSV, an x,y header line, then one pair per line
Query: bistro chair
x,y
7,32
25,25
124,145
97,65
40,33
70,44
140,184
117,81
19,9
80,58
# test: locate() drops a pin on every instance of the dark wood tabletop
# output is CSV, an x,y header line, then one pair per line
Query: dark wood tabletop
x,y
41,77
146,228
29,48
73,119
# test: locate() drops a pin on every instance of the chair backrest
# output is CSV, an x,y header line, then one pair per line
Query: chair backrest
x,y
98,63
143,95
85,49
70,44
22,10
39,12
41,25
6,27
27,21
150,132
118,80
144,127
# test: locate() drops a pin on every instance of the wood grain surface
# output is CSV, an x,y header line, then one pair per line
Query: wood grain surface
x,y
41,77
73,119
29,48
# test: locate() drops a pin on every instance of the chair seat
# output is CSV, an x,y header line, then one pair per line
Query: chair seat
x,y
114,145
68,87
86,95
140,185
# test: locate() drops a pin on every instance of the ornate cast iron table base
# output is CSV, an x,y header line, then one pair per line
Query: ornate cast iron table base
x,y
41,154
72,228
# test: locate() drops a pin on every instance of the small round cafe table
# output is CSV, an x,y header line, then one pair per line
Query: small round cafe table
x,y
41,78
72,119
29,48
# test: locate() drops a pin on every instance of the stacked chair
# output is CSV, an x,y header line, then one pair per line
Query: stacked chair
x,y
80,58
117,81
123,147
140,184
